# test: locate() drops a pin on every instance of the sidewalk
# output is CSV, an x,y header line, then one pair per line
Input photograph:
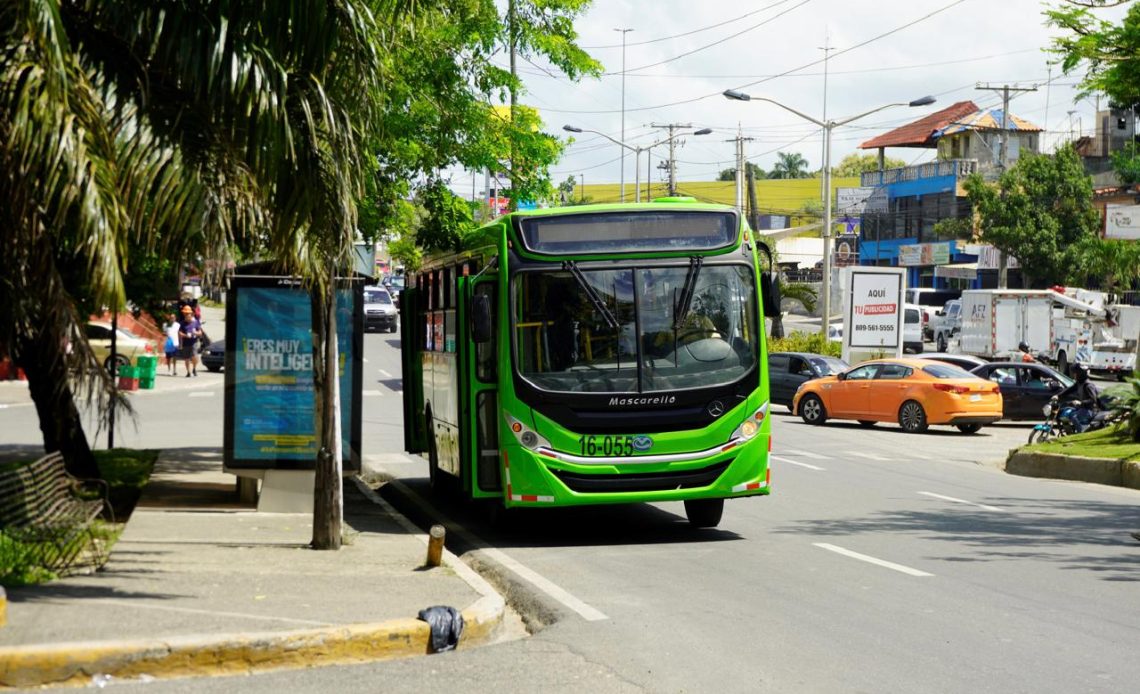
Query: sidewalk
x,y
199,585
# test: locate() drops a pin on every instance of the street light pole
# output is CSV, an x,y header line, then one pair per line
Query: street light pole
x,y
828,126
623,33
636,150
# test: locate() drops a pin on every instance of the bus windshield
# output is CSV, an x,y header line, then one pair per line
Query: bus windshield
x,y
565,342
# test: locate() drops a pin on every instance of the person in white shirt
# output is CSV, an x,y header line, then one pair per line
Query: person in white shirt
x,y
171,346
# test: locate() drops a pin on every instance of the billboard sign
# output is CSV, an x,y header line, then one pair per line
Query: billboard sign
x,y
270,418
873,315
924,254
852,201
1122,222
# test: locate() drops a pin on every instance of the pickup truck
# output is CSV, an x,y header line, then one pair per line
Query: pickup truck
x,y
946,323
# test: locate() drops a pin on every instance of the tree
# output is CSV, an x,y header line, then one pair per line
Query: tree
x,y
730,174
1108,53
854,164
1126,164
789,165
1111,262
1041,212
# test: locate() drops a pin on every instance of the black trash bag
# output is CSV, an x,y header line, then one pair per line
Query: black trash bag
x,y
446,627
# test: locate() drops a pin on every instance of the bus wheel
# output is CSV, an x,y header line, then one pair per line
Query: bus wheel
x,y
704,513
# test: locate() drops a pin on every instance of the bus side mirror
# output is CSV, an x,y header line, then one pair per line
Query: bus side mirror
x,y
769,283
481,318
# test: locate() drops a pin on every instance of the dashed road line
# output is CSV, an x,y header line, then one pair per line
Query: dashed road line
x,y
871,560
796,462
384,373
202,394
806,454
869,456
962,501
371,392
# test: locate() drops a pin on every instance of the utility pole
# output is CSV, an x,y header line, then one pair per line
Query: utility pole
x,y
1003,154
672,163
623,33
582,197
826,48
740,167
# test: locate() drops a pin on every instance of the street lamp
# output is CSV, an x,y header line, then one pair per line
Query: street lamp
x,y
828,126
635,149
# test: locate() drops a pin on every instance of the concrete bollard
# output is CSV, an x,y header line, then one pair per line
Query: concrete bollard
x,y
435,545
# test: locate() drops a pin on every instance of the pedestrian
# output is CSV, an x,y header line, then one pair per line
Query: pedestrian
x,y
189,330
1026,355
171,345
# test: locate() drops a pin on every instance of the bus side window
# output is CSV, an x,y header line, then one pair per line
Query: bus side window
x,y
485,352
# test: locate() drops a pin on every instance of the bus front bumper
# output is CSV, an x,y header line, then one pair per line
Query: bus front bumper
x,y
545,477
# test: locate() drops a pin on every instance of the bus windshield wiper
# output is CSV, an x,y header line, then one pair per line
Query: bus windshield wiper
x,y
599,305
686,299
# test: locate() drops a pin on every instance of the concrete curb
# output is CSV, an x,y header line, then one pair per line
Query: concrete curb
x,y
1110,471
185,656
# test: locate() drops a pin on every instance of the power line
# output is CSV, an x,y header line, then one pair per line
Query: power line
x,y
718,94
694,31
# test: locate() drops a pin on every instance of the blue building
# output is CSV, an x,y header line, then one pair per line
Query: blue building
x,y
900,221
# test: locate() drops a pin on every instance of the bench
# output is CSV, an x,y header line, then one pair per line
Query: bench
x,y
53,514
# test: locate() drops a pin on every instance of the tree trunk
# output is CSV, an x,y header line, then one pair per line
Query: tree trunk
x,y
60,424
327,490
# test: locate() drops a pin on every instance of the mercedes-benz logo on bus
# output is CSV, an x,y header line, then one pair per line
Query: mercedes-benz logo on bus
x,y
716,408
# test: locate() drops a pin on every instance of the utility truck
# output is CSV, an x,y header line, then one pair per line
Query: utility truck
x,y
996,321
1089,331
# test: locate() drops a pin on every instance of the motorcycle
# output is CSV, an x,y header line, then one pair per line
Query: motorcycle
x,y
1061,420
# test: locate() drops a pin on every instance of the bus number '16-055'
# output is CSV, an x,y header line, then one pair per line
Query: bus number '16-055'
x,y
608,445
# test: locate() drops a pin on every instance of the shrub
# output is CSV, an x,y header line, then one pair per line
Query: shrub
x,y
1126,405
806,342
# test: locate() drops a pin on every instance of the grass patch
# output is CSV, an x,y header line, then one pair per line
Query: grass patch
x,y
126,472
1113,443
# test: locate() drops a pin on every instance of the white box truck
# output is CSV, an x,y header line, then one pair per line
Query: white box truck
x,y
995,321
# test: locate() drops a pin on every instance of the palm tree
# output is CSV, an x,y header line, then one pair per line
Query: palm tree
x,y
789,165
176,127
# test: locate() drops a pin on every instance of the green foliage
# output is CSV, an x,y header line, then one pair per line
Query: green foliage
x,y
126,472
1110,262
1126,405
854,164
1126,164
1108,53
812,342
1040,212
448,218
730,174
961,228
789,165
19,563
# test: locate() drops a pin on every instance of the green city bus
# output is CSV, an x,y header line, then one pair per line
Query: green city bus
x,y
596,354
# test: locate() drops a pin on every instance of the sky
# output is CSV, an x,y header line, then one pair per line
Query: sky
x,y
680,57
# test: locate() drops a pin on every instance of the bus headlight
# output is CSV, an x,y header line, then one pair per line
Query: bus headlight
x,y
525,435
751,426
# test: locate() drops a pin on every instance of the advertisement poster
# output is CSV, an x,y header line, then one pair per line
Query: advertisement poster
x,y
269,378
924,254
876,312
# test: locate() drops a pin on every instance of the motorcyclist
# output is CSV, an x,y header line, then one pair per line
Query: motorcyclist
x,y
1083,394
1026,355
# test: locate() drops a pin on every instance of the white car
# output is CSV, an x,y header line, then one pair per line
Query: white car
x,y
379,310
912,328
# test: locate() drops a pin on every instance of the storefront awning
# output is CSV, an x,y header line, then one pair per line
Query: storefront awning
x,y
961,271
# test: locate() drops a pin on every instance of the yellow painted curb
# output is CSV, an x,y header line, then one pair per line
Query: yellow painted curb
x,y
77,663
3,607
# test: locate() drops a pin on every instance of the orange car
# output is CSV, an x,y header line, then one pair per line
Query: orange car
x,y
913,392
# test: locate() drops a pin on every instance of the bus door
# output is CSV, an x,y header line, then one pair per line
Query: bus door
x,y
412,370
479,428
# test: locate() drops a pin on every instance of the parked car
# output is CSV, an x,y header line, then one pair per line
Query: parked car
x,y
928,301
214,356
913,392
127,345
379,310
1025,387
912,328
787,370
966,362
946,323
395,286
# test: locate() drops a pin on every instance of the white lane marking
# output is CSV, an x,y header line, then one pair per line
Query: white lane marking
x,y
384,373
869,456
795,462
918,456
807,454
371,392
189,610
542,583
537,580
202,394
871,560
962,501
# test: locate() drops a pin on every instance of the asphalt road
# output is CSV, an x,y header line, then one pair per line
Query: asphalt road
x,y
882,562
